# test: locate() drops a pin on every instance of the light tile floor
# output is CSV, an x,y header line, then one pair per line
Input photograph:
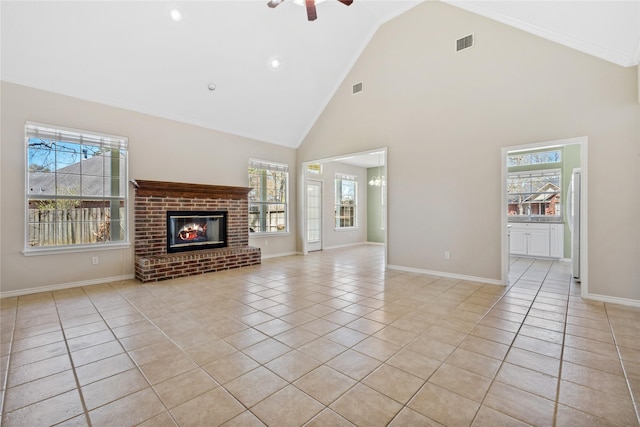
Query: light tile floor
x,y
330,339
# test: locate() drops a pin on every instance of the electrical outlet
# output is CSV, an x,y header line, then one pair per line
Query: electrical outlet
x,y
95,260
447,254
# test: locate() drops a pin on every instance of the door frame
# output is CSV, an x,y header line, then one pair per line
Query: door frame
x,y
582,141
302,207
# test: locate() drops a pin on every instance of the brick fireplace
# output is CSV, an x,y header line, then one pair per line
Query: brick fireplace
x,y
154,199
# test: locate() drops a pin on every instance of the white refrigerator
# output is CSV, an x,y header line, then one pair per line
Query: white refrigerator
x,y
574,220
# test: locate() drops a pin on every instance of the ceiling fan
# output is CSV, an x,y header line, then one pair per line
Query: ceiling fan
x,y
311,6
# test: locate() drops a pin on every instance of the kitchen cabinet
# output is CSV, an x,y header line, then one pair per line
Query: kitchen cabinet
x,y
537,240
556,240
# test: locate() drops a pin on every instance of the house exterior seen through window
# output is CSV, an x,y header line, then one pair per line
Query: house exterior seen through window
x,y
534,183
268,199
534,193
76,188
346,201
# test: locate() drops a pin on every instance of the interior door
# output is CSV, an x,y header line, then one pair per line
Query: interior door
x,y
314,216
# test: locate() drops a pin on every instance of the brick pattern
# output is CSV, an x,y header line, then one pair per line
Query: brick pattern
x,y
152,261
170,266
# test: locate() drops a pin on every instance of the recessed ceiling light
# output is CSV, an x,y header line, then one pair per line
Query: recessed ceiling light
x,y
275,63
176,15
212,87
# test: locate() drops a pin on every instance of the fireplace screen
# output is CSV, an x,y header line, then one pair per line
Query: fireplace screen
x,y
189,230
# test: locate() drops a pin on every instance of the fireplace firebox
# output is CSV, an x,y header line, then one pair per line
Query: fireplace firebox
x,y
196,230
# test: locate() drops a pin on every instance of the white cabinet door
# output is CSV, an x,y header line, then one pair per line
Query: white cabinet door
x,y
518,241
556,240
538,243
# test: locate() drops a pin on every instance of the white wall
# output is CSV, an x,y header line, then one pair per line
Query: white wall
x,y
156,148
446,116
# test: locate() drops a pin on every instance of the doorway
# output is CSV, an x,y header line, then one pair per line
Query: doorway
x,y
542,207
321,230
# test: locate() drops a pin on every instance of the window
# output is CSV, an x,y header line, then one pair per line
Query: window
x,y
315,169
346,201
539,158
76,188
268,198
534,193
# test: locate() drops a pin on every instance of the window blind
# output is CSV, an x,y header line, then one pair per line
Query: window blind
x,y
42,131
271,166
346,177
536,174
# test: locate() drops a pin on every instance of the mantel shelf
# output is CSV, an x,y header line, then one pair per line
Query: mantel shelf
x,y
146,188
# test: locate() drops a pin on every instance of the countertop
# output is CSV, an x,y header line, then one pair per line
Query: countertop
x,y
535,221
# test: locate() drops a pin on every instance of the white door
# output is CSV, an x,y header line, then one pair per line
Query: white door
x,y
314,216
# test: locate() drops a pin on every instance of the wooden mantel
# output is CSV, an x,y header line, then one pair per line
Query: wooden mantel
x,y
184,190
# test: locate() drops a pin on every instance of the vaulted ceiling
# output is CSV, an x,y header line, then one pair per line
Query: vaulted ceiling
x,y
133,55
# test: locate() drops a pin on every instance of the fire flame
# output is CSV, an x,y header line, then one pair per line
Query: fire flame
x,y
192,231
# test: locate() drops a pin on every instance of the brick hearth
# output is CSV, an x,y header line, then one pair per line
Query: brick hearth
x,y
152,201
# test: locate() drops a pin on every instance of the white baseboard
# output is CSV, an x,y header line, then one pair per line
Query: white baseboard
x,y
50,288
375,243
614,300
281,255
327,248
446,275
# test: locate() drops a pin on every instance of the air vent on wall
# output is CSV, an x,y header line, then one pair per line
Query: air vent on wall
x,y
357,88
464,43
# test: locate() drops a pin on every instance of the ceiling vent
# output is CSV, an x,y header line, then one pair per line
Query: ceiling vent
x,y
357,88
464,43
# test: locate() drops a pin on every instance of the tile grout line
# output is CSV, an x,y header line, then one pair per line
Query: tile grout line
x,y
502,362
507,289
109,328
9,360
564,337
181,350
624,370
73,366
360,381
523,288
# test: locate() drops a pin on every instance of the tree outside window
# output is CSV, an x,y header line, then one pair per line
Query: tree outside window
x,y
77,187
346,201
268,199
534,194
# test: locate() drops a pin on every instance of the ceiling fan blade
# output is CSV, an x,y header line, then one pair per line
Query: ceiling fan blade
x,y
346,2
311,10
274,3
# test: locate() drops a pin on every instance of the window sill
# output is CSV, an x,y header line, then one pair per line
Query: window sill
x,y
73,249
346,229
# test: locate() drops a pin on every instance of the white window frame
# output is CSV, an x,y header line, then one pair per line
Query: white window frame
x,y
339,205
533,174
530,158
55,194
277,167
